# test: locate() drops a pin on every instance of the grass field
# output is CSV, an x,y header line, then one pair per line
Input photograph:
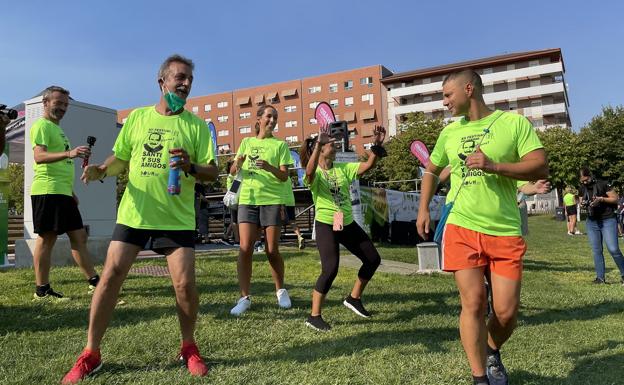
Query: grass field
x,y
570,331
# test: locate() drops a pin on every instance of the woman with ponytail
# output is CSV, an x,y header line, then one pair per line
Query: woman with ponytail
x,y
329,183
263,160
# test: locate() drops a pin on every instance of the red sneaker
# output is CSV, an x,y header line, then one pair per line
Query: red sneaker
x,y
88,363
189,354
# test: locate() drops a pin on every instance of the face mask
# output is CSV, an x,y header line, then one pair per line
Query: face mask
x,y
174,102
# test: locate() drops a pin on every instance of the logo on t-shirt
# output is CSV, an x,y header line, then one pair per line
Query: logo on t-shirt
x,y
467,145
153,154
254,155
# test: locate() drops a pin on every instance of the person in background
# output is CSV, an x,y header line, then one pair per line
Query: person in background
x,y
569,203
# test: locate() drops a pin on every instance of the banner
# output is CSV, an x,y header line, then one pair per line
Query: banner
x,y
4,205
213,135
297,164
419,150
324,114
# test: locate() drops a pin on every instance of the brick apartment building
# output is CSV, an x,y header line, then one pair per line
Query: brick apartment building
x,y
529,83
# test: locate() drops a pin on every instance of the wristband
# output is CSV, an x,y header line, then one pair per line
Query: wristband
x,y
378,150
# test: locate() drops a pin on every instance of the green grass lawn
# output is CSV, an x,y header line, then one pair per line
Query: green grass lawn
x,y
570,331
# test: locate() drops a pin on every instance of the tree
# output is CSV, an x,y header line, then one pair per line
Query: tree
x,y
601,145
564,158
16,188
400,164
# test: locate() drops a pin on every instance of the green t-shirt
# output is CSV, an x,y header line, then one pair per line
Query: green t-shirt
x,y
289,196
56,177
568,199
330,190
260,187
487,202
145,141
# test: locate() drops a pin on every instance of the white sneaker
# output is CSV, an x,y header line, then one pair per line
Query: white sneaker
x,y
283,300
578,233
242,305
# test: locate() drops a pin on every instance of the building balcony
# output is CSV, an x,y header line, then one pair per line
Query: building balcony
x,y
488,79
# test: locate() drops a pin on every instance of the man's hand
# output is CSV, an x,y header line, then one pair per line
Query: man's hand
x,y
184,163
80,152
478,160
93,172
422,223
542,186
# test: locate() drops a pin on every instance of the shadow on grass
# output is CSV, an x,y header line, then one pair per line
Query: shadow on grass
x,y
431,338
591,367
47,317
534,265
578,313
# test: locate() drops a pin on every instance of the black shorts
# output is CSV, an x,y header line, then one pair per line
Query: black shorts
x,y
290,214
234,215
55,213
571,210
159,240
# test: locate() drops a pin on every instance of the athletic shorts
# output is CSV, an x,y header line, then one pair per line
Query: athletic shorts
x,y
467,249
268,215
159,240
571,210
56,213
290,214
234,215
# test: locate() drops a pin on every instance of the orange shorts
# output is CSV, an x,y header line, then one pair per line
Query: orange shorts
x,y
467,249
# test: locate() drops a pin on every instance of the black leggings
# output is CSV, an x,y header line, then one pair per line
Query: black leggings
x,y
355,240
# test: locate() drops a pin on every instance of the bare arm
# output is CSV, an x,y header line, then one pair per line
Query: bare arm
x,y
427,189
542,186
112,166
323,139
42,155
280,173
380,135
531,166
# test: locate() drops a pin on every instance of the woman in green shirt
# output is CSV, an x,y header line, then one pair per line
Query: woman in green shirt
x,y
263,161
329,183
569,202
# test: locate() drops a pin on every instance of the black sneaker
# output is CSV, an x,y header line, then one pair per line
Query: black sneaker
x,y
599,281
317,323
496,373
356,306
50,296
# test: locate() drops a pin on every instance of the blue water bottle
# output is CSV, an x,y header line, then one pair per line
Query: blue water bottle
x,y
173,187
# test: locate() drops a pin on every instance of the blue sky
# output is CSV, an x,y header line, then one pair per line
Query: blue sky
x,y
108,52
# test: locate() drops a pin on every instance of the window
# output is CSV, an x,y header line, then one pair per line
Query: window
x,y
367,80
427,98
313,105
487,71
244,115
368,98
208,120
488,89
223,148
513,105
352,133
244,129
290,108
349,101
367,146
536,102
534,83
223,133
291,123
333,87
511,67
222,104
314,90
223,118
313,121
333,103
195,109
348,84
426,81
292,139
533,63
207,107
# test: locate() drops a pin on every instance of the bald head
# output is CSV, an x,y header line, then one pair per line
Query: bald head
x,y
464,77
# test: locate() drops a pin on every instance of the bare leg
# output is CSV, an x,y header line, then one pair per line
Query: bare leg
x,y
41,257
317,302
119,259
276,261
248,236
472,328
505,304
182,269
78,242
